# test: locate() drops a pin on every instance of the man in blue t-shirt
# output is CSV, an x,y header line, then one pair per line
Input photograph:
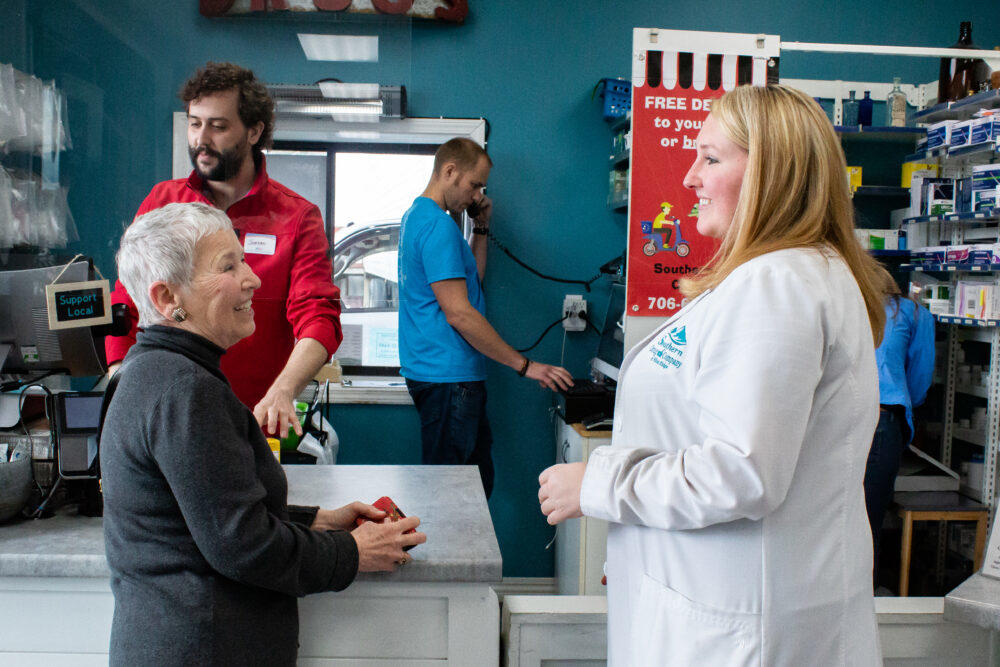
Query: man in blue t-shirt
x,y
444,337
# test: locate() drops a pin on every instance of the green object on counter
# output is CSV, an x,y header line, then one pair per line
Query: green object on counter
x,y
291,440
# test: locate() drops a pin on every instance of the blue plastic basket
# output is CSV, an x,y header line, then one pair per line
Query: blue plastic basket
x,y
617,98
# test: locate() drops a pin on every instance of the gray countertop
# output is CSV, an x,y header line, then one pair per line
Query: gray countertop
x,y
976,602
461,544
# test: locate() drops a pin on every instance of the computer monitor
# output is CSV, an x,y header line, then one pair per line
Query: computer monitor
x,y
611,348
29,345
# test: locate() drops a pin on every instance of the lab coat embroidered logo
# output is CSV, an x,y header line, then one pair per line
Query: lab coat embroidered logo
x,y
668,351
678,336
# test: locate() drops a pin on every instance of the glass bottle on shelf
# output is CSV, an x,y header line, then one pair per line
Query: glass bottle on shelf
x,y
851,111
865,107
961,77
895,106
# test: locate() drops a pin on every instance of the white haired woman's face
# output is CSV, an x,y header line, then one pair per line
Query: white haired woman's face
x,y
218,300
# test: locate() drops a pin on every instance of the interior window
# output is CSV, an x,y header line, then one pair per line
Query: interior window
x,y
365,191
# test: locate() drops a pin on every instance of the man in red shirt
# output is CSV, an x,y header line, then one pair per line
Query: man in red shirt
x,y
297,308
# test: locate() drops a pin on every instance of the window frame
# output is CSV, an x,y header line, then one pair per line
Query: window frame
x,y
307,133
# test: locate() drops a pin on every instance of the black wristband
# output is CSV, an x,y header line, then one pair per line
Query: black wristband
x,y
481,230
524,368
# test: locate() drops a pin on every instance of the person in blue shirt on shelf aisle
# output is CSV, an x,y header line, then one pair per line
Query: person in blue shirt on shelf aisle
x,y
905,361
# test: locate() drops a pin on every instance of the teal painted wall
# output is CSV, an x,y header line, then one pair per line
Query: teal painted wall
x,y
529,67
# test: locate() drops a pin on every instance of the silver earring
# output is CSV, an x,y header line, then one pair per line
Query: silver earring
x,y
179,314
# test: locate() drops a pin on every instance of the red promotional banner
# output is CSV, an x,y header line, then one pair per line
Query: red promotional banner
x,y
671,96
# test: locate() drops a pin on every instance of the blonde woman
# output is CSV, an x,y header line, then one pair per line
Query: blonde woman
x,y
733,483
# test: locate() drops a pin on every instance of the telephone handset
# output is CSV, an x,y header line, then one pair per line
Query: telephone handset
x,y
473,210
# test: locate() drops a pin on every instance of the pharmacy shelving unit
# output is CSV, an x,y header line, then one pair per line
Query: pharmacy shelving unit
x,y
956,228
619,162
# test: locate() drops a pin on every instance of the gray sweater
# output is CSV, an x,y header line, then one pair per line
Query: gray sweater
x,y
205,563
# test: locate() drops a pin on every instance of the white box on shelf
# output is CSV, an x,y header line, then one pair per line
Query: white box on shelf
x,y
939,134
985,186
983,130
878,239
960,132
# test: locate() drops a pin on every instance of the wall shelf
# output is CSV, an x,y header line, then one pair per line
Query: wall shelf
x,y
972,390
960,109
877,252
618,204
882,191
966,321
903,135
985,215
970,435
984,150
951,268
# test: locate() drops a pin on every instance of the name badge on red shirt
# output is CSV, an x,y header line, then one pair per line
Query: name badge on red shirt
x,y
259,244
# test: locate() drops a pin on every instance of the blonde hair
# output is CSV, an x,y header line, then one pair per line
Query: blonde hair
x,y
794,192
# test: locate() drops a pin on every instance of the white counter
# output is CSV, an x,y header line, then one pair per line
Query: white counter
x,y
56,603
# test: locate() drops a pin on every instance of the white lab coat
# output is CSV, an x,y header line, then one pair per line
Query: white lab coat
x,y
734,477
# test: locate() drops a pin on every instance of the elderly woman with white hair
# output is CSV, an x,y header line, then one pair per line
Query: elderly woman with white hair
x,y
206,557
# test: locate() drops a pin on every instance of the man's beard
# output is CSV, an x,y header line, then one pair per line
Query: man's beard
x,y
227,165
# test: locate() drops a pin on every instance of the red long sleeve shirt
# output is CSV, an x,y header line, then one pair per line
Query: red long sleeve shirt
x,y
297,297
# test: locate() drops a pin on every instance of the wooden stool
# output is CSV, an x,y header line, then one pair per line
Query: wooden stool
x,y
936,506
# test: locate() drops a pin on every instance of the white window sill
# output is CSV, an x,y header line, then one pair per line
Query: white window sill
x,y
358,389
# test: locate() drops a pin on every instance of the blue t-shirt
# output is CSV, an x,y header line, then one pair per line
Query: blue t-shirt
x,y
906,356
432,248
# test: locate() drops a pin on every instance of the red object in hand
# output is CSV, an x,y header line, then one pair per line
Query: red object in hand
x,y
393,513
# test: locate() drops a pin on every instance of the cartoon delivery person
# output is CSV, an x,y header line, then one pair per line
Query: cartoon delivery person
x,y
664,225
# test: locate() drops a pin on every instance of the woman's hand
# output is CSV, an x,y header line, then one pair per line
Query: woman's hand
x,y
559,492
345,517
380,545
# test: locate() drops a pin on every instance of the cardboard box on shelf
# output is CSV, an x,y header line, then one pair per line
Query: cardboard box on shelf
x,y
938,196
878,239
985,186
909,168
939,134
960,132
978,298
983,130
853,177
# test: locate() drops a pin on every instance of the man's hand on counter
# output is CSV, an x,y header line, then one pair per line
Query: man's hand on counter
x,y
276,413
345,517
380,545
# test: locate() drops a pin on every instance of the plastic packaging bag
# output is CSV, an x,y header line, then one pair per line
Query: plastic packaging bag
x,y
24,204
54,226
6,212
12,121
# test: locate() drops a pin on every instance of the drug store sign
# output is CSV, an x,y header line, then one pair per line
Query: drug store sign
x,y
676,75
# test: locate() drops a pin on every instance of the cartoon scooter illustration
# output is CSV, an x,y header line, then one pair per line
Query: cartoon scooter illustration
x,y
658,232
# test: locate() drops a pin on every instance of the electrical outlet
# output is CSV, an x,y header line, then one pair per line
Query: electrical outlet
x,y
574,311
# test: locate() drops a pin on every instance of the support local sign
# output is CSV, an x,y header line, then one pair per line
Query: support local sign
x,y
676,75
451,11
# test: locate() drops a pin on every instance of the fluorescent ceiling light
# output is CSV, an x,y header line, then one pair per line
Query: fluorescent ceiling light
x,y
351,108
351,48
349,91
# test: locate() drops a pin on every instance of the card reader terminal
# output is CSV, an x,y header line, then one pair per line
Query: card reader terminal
x,y
75,417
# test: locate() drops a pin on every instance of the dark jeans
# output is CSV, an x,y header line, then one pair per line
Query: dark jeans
x,y
883,464
454,429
